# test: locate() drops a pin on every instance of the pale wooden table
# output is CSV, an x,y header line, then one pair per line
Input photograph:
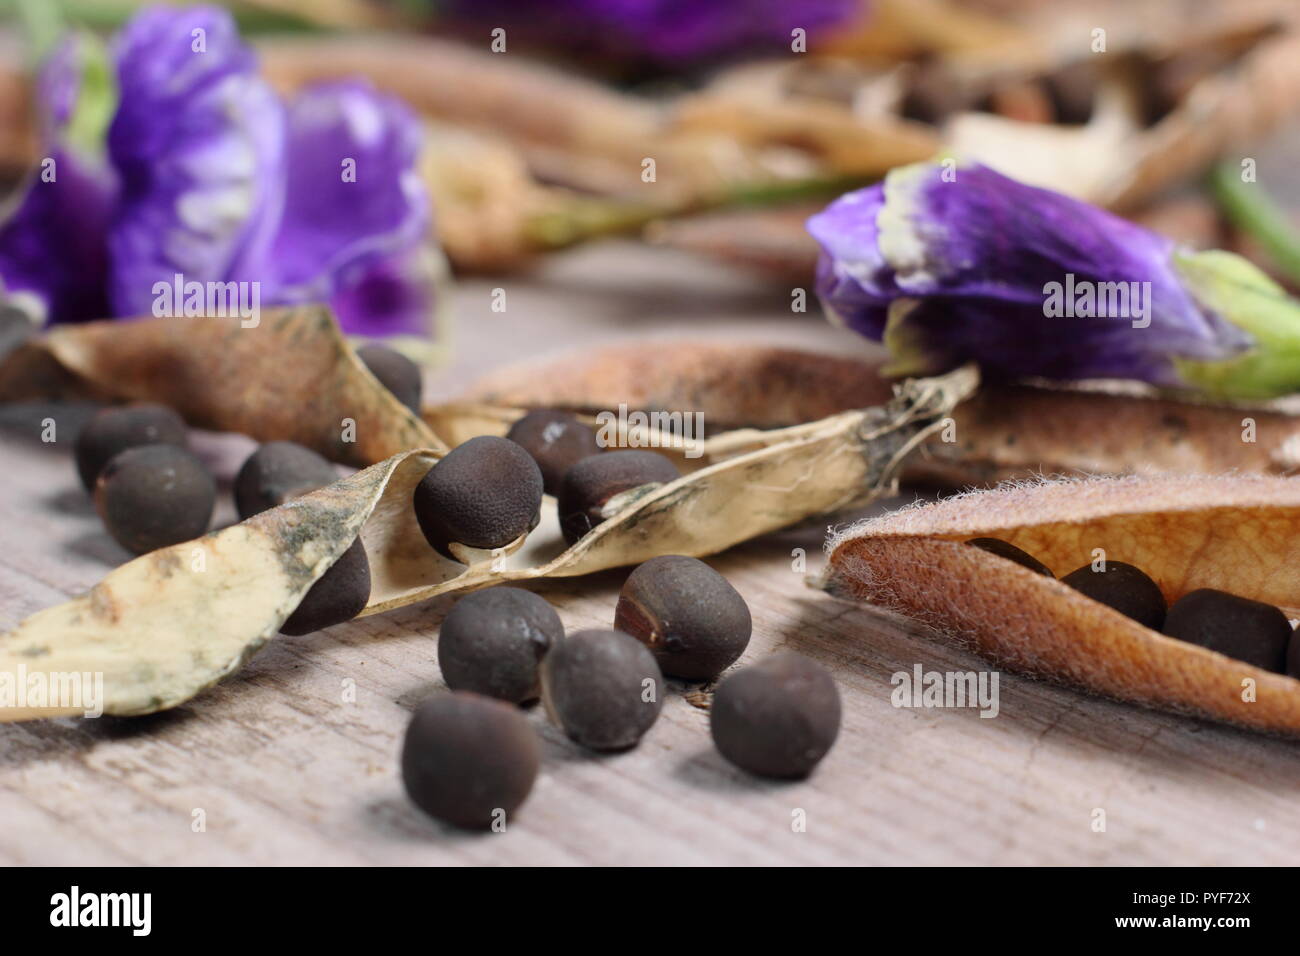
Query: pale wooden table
x,y
285,772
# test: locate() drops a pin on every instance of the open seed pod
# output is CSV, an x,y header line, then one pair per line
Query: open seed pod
x,y
1237,534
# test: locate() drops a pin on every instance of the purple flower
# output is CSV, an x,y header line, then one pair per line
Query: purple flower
x,y
670,32
210,176
947,264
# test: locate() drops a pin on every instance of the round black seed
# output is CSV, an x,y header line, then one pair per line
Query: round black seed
x,y
485,493
469,760
491,643
1293,655
589,484
556,440
155,496
338,595
1124,588
694,622
1005,549
778,718
395,372
603,687
276,472
114,430
1250,631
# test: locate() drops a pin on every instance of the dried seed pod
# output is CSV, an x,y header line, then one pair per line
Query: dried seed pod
x,y
492,640
153,496
467,759
556,440
1236,533
603,687
694,622
1247,630
276,472
1004,549
778,718
395,372
1123,587
485,493
114,430
591,483
339,595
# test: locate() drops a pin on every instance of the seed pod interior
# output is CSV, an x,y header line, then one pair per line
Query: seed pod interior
x,y
1237,534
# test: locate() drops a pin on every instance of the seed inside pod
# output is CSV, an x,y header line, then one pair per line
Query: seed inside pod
x,y
469,760
492,640
778,718
114,430
485,493
154,496
556,440
694,622
603,687
338,595
1250,631
591,483
1124,588
1005,549
1293,655
395,372
277,472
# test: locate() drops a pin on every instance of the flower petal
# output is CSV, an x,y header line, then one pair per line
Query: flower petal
x,y
198,142
354,198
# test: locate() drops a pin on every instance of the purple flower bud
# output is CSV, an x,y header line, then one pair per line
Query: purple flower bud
x,y
950,263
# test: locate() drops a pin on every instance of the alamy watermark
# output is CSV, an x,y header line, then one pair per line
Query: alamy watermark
x,y
638,429
922,688
62,690
1085,299
180,298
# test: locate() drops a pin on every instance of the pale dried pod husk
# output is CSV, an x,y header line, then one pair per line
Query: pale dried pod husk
x,y
1239,534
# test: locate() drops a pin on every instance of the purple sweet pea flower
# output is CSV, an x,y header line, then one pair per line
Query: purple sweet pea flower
x,y
669,32
947,264
214,179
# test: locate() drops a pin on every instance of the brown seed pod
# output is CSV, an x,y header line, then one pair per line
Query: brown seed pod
x,y
694,622
591,484
339,595
469,760
154,496
778,718
277,472
1237,534
114,430
603,687
492,640
484,494
556,440
395,372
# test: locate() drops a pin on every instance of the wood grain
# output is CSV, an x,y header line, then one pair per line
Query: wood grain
x,y
288,773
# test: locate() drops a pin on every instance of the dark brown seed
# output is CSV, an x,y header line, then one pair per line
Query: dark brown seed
x,y
694,622
491,643
155,496
1004,549
395,372
485,493
603,687
1250,631
1124,588
1293,654
556,440
778,718
589,485
114,430
338,595
277,472
469,760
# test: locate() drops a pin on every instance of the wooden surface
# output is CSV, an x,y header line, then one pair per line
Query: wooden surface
x,y
287,772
